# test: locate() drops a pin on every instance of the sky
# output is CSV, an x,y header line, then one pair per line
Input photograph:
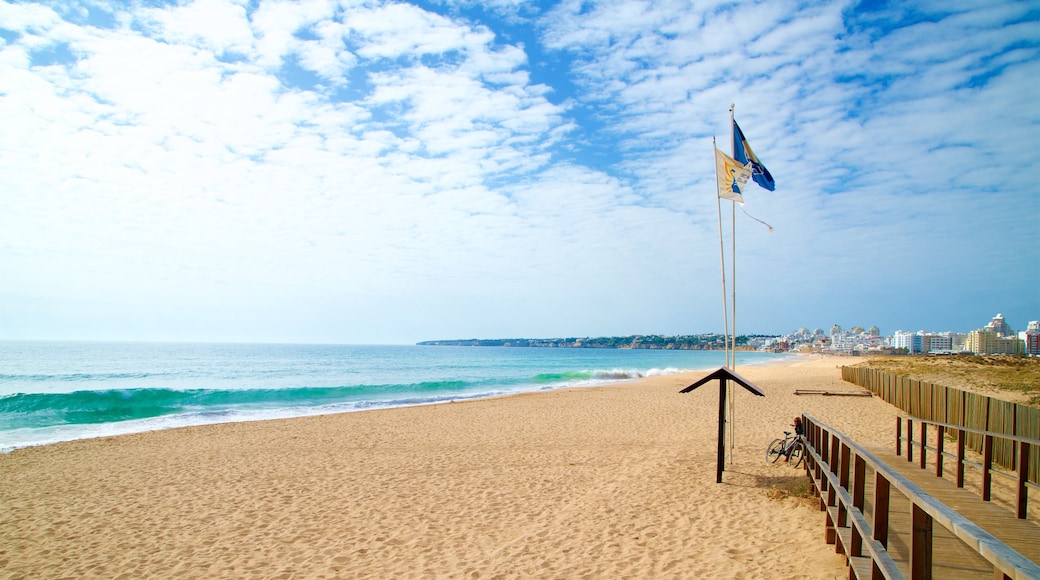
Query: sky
x,y
389,172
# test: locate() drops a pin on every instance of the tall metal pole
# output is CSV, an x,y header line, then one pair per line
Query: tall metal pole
x,y
733,251
733,287
722,255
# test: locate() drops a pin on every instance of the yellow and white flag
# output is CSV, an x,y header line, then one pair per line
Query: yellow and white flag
x,y
732,175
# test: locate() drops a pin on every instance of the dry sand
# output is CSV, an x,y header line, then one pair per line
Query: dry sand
x,y
606,482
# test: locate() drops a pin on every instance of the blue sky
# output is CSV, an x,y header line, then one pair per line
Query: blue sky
x,y
372,172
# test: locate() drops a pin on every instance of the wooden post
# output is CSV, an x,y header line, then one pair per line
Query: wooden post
x,y
987,466
721,464
1023,476
881,493
899,435
1014,429
962,436
834,450
821,443
939,444
921,545
832,494
825,446
859,471
843,480
909,439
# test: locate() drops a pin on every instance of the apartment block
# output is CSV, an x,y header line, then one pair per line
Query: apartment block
x,y
985,341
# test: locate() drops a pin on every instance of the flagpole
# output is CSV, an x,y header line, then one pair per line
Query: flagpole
x,y
733,289
733,253
750,165
725,307
722,253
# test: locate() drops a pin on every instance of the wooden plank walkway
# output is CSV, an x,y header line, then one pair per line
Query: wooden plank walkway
x,y
954,558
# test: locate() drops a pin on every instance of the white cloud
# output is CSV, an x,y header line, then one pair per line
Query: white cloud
x,y
402,30
276,22
336,169
20,17
218,26
328,56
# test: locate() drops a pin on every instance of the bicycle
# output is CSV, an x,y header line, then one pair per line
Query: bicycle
x,y
776,449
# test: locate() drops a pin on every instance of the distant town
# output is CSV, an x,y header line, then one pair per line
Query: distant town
x,y
995,337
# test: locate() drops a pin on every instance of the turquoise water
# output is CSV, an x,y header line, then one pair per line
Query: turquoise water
x,y
59,391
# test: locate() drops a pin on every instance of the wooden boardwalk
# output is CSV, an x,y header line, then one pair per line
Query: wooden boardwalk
x,y
893,519
953,558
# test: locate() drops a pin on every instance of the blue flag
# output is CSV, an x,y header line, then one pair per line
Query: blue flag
x,y
742,152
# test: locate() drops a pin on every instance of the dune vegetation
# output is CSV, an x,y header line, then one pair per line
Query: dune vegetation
x,y
1012,378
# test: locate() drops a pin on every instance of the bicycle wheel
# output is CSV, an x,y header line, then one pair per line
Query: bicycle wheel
x,y
775,450
797,454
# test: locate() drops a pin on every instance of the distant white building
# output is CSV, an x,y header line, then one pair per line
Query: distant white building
x,y
902,339
922,342
999,326
856,339
842,342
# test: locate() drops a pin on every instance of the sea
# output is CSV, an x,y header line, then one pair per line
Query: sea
x,y
62,391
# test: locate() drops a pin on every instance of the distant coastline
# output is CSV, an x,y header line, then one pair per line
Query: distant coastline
x,y
684,342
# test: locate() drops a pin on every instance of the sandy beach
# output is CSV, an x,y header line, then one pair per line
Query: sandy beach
x,y
600,482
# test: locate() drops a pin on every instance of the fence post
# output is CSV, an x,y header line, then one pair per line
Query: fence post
x,y
828,438
824,441
962,437
843,480
830,533
899,435
881,493
814,441
859,471
921,545
940,442
987,466
909,440
1014,429
832,494
1023,476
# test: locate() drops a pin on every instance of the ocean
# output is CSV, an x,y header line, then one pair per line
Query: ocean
x,y
61,391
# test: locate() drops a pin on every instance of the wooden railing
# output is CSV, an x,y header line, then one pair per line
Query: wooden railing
x,y
977,413
1020,468
838,467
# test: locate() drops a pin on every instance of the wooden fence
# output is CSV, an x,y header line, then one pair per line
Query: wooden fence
x,y
940,404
